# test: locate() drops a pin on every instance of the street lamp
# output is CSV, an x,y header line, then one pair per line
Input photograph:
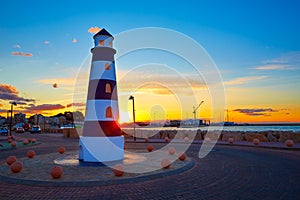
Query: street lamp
x,y
37,119
11,112
7,115
133,114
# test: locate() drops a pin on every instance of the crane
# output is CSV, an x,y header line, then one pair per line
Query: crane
x,y
195,109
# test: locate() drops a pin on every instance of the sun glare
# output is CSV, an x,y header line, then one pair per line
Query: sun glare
x,y
124,117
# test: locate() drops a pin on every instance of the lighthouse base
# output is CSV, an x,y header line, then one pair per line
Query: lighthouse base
x,y
101,149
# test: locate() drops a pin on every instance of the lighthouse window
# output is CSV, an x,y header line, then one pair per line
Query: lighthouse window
x,y
107,66
101,42
110,44
107,88
108,113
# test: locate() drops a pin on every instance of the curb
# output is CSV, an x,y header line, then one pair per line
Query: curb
x,y
23,146
224,144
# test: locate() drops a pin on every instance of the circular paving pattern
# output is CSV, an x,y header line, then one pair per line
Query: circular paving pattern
x,y
36,171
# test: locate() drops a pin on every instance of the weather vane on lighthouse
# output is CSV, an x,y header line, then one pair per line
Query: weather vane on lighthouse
x,y
101,139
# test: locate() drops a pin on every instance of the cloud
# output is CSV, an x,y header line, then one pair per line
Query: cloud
x,y
18,102
244,80
287,58
32,109
94,29
75,104
4,88
28,54
8,92
3,111
287,61
43,107
16,53
159,81
1,105
46,42
74,40
16,46
14,97
256,112
273,67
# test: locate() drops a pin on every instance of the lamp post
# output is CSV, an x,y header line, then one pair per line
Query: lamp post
x,y
11,112
44,123
7,115
133,114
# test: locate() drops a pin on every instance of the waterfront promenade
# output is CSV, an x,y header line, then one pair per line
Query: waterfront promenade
x,y
241,171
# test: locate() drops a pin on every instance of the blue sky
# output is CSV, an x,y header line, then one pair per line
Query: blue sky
x,y
255,44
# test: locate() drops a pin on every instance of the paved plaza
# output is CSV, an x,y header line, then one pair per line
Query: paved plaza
x,y
228,172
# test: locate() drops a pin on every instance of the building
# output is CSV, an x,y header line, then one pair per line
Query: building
x,y
19,118
2,121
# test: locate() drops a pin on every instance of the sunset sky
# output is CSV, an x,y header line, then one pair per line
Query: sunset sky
x,y
254,44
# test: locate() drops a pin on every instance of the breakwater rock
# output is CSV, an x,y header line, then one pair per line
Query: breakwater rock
x,y
263,136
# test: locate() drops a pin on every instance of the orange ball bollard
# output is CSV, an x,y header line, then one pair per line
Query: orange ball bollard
x,y
11,159
165,163
171,150
150,148
16,167
181,156
256,141
289,143
61,150
118,170
30,153
13,144
167,139
56,172
186,139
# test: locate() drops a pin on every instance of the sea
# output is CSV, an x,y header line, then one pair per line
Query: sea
x,y
251,128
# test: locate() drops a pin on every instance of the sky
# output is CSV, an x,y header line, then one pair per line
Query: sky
x,y
255,46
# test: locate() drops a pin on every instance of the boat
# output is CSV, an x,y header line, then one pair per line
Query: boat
x,y
228,123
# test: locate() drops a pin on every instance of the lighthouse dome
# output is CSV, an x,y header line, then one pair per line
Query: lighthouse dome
x,y
103,39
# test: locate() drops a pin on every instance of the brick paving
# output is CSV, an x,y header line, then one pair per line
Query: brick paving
x,y
229,172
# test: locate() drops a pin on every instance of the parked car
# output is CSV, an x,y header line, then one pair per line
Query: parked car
x,y
26,127
3,131
36,129
20,130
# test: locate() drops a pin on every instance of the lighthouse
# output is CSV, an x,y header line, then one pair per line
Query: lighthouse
x,y
101,139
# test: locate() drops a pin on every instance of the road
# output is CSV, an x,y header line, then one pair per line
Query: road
x,y
229,172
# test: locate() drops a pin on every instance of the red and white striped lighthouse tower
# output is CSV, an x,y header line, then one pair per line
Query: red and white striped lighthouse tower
x,y
101,138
